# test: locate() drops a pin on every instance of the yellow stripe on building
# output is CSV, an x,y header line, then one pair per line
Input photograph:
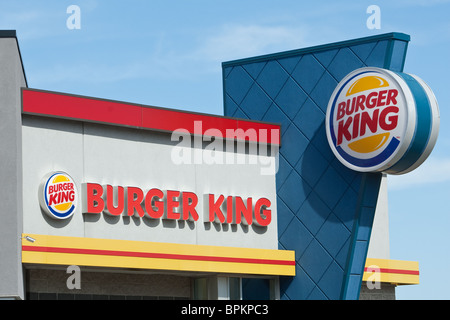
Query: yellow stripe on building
x,y
59,250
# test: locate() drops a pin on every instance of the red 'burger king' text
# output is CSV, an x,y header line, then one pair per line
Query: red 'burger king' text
x,y
354,118
61,193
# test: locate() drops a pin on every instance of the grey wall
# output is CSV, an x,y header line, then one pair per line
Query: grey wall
x,y
12,79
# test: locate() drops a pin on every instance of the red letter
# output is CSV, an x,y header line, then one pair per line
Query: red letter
x,y
392,119
262,206
242,209
93,194
381,97
343,130
360,102
171,204
52,199
371,100
134,200
371,123
214,209
356,125
190,201
63,197
71,195
149,206
392,94
111,198
230,207
340,110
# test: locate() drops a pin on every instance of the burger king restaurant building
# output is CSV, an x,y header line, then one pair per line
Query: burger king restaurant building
x,y
117,200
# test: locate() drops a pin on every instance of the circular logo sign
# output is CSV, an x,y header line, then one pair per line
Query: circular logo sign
x,y
58,195
382,121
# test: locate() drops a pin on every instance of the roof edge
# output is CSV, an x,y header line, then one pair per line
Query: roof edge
x,y
13,34
116,113
386,36
8,34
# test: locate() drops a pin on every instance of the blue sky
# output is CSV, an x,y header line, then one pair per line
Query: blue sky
x,y
169,53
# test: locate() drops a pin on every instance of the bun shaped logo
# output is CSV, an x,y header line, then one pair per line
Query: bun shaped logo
x,y
382,121
58,195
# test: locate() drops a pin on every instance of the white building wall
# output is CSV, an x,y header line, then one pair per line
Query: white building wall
x,y
129,157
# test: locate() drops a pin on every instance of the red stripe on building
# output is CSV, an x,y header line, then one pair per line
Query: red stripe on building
x,y
59,105
397,271
155,255
79,108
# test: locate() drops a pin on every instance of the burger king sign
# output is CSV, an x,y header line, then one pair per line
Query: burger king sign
x,y
58,195
382,121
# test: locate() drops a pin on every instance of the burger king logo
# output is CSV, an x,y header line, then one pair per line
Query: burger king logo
x,y
382,121
58,195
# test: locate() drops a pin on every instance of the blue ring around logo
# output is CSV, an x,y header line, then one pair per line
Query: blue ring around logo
x,y
56,214
422,131
363,163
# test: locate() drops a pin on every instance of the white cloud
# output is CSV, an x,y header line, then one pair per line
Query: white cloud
x,y
239,41
84,72
168,60
424,3
433,170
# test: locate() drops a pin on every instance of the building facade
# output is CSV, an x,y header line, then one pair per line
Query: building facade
x,y
317,196
143,202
